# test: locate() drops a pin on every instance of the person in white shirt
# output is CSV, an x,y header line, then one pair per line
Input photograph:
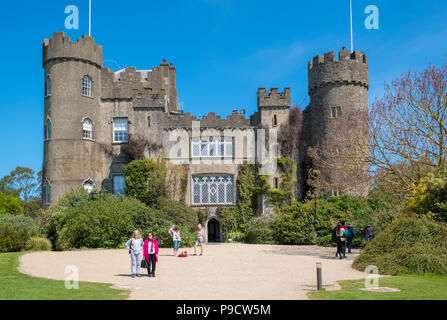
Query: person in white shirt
x,y
175,234
135,246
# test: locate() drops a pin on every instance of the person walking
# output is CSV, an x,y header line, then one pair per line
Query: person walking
x,y
339,232
200,239
150,253
368,233
175,234
134,245
351,236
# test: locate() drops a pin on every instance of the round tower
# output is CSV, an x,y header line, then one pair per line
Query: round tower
x,y
338,96
72,156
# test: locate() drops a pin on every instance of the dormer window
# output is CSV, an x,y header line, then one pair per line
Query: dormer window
x,y
86,86
335,112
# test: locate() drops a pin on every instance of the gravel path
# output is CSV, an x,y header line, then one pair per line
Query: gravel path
x,y
226,271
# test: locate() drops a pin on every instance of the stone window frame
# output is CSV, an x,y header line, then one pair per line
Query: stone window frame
x,y
47,191
336,191
219,184
47,136
276,183
218,141
48,88
338,112
88,92
113,184
83,128
113,130
275,120
87,181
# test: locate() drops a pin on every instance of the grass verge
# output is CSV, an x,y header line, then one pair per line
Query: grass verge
x,y
412,287
15,285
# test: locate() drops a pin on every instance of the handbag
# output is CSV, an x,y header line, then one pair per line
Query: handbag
x,y
144,263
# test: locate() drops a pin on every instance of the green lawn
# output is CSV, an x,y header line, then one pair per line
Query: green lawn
x,y
426,287
15,285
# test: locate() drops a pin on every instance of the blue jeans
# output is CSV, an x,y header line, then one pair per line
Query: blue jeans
x,y
176,244
349,245
135,257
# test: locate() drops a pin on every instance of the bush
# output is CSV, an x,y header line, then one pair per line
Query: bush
x,y
294,226
80,222
146,180
409,245
38,244
431,197
261,230
179,213
9,204
104,223
15,232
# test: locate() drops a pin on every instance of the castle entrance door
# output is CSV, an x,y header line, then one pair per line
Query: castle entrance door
x,y
213,231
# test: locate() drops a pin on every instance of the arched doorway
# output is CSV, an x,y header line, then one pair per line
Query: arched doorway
x,y
213,230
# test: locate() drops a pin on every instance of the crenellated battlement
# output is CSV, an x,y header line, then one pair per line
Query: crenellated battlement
x,y
60,47
350,68
235,120
273,98
144,87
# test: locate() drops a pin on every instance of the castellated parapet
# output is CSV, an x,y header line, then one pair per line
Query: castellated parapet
x,y
349,69
273,99
60,47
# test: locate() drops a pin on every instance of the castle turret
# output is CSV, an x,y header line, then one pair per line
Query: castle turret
x,y
338,90
72,156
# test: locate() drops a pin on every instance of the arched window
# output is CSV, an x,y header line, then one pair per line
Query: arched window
x,y
89,185
47,134
48,87
47,191
87,86
87,129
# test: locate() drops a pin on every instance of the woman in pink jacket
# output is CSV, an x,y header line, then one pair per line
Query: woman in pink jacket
x,y
150,253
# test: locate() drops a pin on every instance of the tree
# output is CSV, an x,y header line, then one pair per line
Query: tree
x,y
430,197
9,204
24,181
146,180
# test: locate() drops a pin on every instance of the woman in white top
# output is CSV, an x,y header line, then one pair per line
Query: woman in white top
x,y
175,234
135,245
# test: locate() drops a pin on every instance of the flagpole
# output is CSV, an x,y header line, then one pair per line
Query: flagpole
x,y
352,37
90,17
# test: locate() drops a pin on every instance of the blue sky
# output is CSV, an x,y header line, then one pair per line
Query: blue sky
x,y
223,50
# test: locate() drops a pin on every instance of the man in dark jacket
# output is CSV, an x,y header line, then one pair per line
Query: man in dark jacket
x,y
351,236
368,233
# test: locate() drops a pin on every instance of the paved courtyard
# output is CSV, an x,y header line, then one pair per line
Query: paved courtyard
x,y
226,271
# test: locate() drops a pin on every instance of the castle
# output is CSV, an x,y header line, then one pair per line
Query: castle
x,y
91,112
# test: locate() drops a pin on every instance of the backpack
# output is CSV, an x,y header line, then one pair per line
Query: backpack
x,y
346,234
334,235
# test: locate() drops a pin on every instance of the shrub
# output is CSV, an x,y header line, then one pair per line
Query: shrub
x,y
9,204
15,232
409,245
108,222
294,226
261,230
430,197
104,223
146,180
179,213
38,244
